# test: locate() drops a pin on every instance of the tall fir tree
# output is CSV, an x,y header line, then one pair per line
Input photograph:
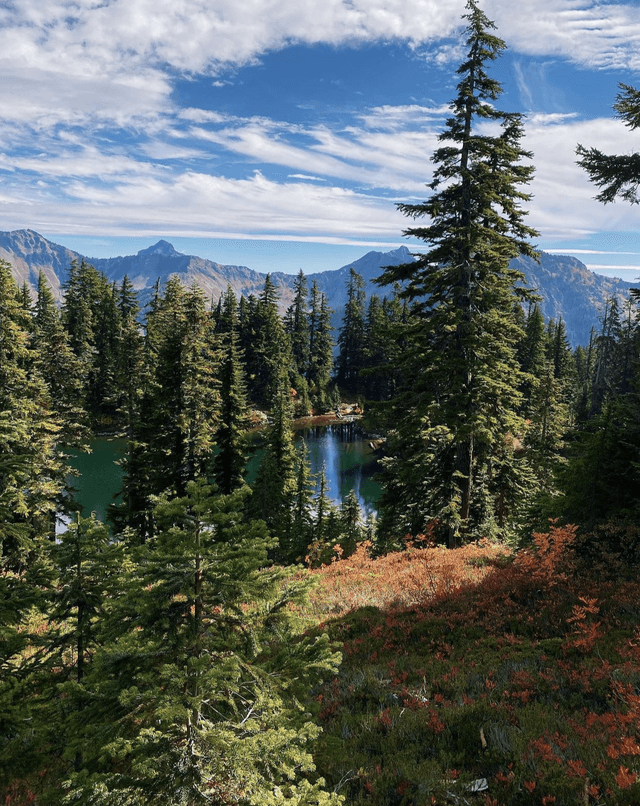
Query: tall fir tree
x,y
33,487
60,368
463,377
274,488
352,336
131,369
230,460
193,697
267,346
618,176
320,350
297,325
174,435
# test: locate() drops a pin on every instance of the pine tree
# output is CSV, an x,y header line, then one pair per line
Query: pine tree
x,y
230,460
275,484
297,325
33,487
60,368
302,522
462,371
532,355
130,369
194,697
32,493
351,521
267,347
86,561
617,175
320,350
326,527
606,365
351,339
174,437
384,346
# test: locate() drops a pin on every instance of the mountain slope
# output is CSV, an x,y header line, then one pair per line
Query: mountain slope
x,y
28,253
568,289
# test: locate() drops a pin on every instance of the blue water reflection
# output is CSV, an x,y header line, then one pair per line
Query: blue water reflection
x,y
348,460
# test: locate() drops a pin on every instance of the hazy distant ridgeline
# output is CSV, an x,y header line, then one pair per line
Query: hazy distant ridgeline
x,y
568,289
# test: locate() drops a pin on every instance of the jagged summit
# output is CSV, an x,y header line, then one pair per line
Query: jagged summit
x,y
161,248
568,289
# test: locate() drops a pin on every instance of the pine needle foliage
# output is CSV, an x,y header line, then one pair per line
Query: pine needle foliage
x,y
195,696
618,175
460,404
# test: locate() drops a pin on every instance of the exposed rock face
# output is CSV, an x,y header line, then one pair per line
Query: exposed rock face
x,y
29,253
568,289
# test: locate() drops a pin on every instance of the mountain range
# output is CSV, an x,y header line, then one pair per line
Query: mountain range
x,y
567,288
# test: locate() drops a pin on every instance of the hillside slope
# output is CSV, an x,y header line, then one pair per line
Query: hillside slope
x,y
568,289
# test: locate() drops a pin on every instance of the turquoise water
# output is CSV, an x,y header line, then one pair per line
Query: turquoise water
x,y
348,461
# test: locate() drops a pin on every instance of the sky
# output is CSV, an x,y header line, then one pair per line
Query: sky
x,y
281,134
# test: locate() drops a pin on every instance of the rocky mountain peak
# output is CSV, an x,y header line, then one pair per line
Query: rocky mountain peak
x,y
163,248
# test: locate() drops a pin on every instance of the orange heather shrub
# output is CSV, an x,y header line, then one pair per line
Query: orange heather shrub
x,y
403,578
520,670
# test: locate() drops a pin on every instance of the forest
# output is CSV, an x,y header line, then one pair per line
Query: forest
x,y
220,643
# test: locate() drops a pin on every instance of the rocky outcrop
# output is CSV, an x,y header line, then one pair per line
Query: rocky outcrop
x,y
567,288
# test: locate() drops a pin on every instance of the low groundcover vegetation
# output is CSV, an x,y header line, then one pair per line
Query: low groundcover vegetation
x,y
481,676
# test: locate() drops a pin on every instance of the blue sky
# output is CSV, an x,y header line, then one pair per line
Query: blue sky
x,y
280,135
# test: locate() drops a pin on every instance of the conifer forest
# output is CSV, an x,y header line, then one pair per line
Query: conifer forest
x,y
215,642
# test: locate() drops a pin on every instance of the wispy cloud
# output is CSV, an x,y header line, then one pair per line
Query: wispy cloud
x,y
591,33
402,117
92,132
307,178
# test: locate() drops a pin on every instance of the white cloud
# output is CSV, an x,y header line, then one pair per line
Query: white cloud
x,y
77,74
206,204
563,205
307,178
540,118
588,32
401,117
590,252
66,59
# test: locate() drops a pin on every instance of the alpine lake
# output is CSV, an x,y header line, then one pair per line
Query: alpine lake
x,y
349,460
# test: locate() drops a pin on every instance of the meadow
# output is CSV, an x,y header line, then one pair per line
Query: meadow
x,y
483,675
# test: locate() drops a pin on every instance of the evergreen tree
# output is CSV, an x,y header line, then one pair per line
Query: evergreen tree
x,y
84,559
326,528
302,523
584,360
618,176
229,463
175,432
275,484
462,372
351,339
267,346
384,346
532,354
103,392
78,314
352,526
320,350
374,358
32,482
32,493
59,367
297,325
131,370
194,696
606,364
25,299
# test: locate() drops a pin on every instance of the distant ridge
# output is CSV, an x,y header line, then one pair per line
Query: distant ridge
x,y
568,289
